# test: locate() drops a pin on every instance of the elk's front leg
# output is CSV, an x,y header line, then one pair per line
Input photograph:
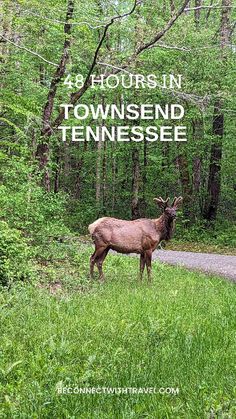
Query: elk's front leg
x,y
142,265
148,260
92,263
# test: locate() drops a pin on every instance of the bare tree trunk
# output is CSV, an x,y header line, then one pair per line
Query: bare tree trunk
x,y
143,206
164,7
78,179
197,13
135,211
172,7
198,133
197,163
6,29
98,172
99,168
187,5
104,178
41,74
79,165
209,10
214,178
186,185
57,173
43,148
66,159
114,175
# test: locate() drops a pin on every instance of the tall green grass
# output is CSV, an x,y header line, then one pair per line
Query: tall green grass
x,y
178,332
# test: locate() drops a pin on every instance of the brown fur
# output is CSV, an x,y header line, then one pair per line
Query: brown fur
x,y
166,226
140,236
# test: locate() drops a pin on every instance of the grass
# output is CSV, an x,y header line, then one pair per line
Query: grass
x,y
178,332
191,246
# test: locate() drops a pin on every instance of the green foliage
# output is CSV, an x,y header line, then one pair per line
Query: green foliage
x,y
26,205
14,255
226,235
100,181
221,234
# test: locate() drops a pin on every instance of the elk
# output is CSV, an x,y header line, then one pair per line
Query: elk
x,y
140,236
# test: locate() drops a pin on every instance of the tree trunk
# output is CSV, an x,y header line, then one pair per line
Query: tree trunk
x,y
42,153
209,10
98,173
186,185
197,13
99,168
198,133
172,7
114,176
143,206
104,178
57,173
79,165
135,211
214,178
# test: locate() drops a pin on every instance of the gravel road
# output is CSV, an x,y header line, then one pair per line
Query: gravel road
x,y
222,265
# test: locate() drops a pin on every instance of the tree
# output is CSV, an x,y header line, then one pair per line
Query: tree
x,y
214,179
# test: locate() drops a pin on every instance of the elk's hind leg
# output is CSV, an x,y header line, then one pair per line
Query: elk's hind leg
x,y
95,257
99,262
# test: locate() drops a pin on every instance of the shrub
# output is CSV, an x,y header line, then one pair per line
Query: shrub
x,y
14,255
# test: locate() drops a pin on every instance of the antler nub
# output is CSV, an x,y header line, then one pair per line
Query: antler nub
x,y
161,202
165,203
177,201
173,203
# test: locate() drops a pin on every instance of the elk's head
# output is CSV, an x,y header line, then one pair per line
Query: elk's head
x,y
169,210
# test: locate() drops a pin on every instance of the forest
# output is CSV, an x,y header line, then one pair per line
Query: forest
x,y
38,52
104,106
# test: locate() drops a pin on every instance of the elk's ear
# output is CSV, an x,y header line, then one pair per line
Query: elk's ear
x,y
177,202
161,203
